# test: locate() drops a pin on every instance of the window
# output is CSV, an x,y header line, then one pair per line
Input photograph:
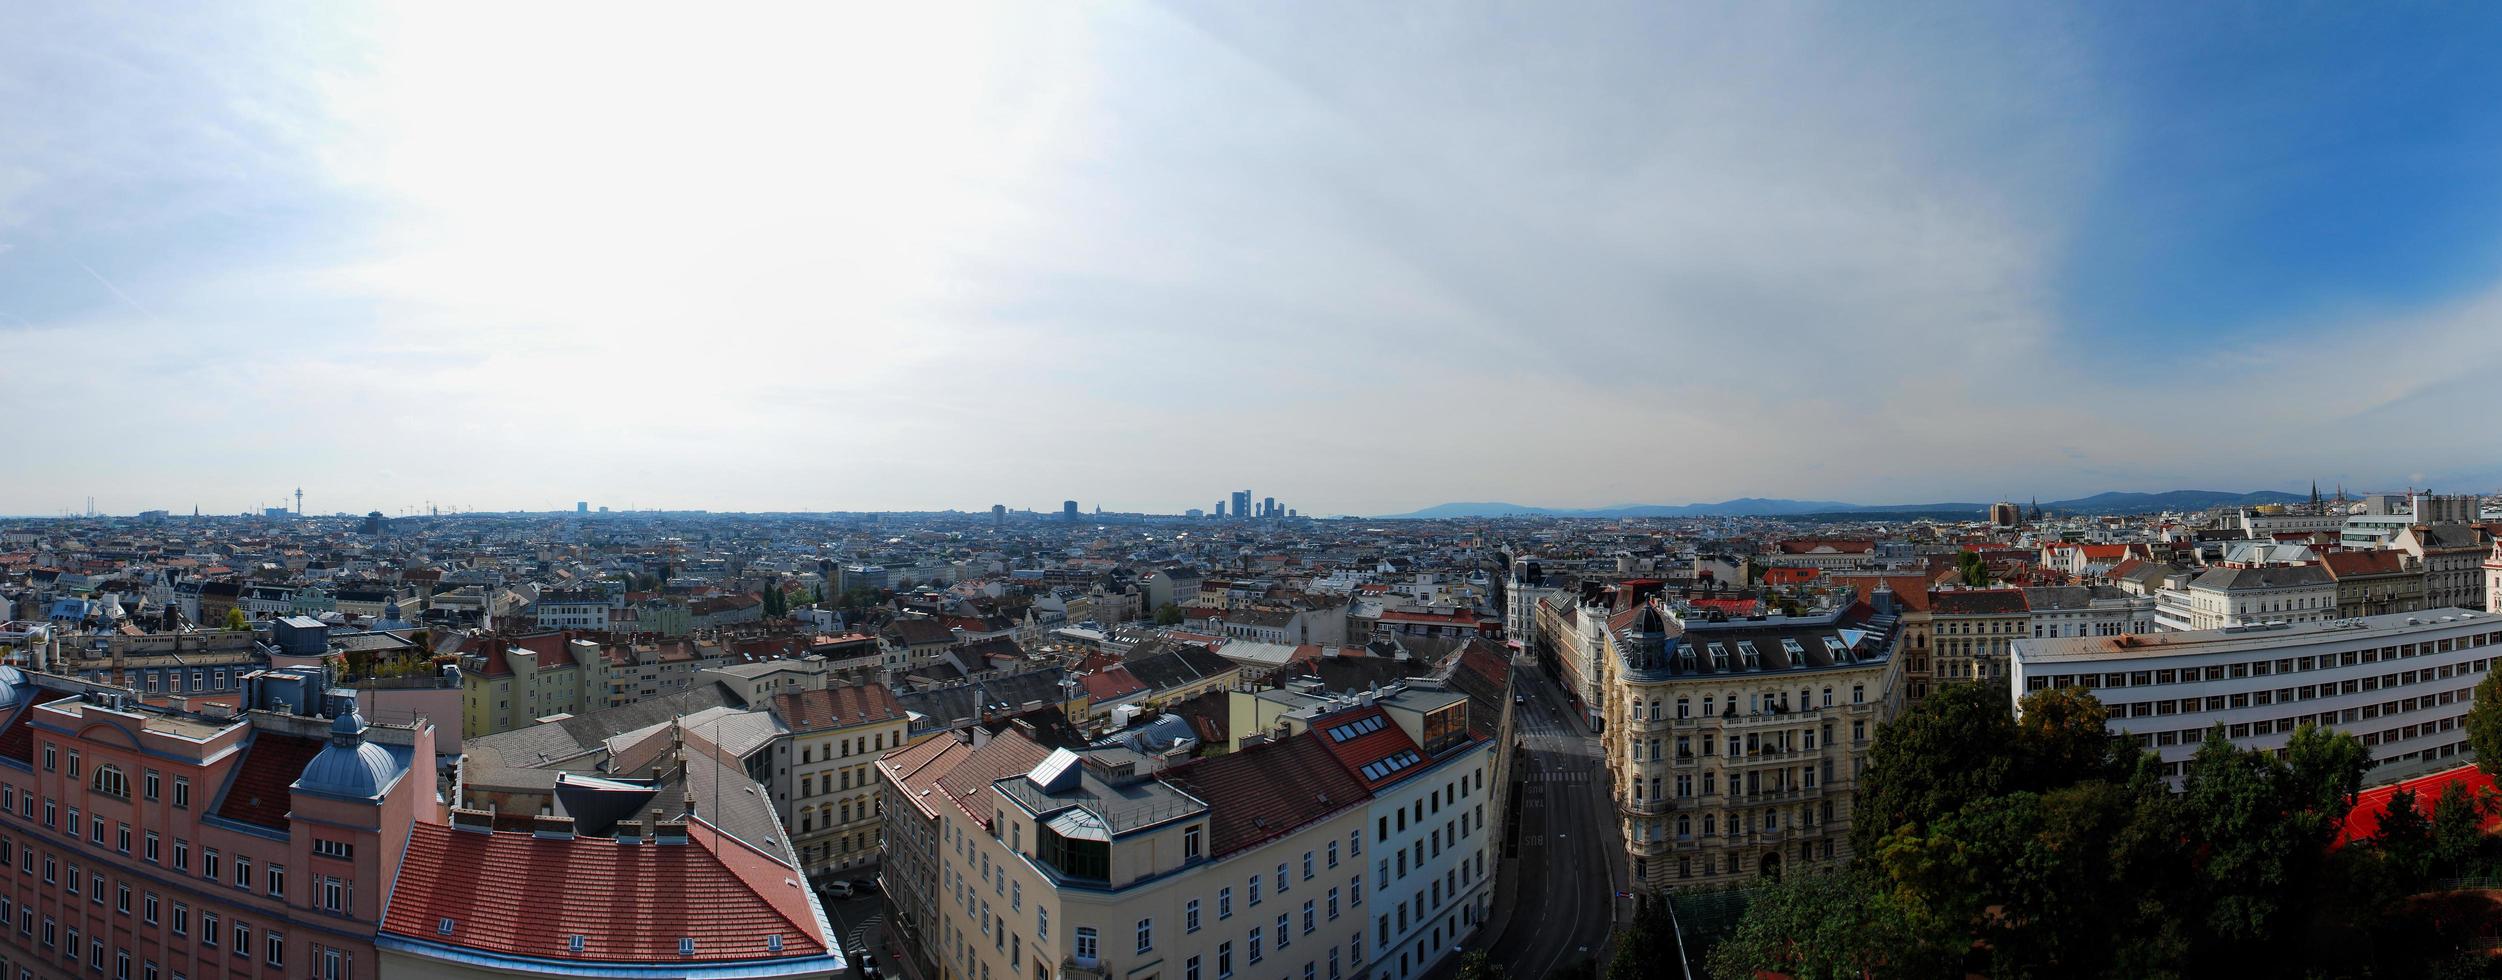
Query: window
x,y
277,882
151,784
1224,903
1307,866
1255,890
182,854
182,792
276,947
208,863
152,846
1310,917
1333,853
1255,944
1285,935
109,779
208,929
1146,934
182,919
1042,924
1190,916
243,871
1087,949
1190,969
1191,848
148,909
1224,960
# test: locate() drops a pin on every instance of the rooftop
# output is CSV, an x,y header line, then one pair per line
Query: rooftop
x,y
2237,638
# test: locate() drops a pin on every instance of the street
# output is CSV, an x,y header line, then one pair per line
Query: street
x,y
1564,853
860,923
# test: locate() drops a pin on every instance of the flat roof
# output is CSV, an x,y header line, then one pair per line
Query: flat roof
x,y
2238,638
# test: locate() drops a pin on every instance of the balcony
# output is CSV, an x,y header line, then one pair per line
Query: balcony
x,y
1651,807
1084,968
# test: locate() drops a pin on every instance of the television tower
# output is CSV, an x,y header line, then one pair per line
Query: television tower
x,y
299,501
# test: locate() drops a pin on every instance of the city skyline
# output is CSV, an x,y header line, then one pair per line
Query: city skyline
x,y
809,258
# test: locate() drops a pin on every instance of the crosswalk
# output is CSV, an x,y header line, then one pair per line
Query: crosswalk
x,y
1579,776
858,937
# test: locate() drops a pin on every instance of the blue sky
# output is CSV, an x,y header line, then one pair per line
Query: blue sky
x,y
1364,258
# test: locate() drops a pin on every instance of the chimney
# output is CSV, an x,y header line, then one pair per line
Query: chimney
x,y
669,832
629,832
474,821
550,827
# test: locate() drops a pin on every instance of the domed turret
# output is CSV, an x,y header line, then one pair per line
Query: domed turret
x,y
349,766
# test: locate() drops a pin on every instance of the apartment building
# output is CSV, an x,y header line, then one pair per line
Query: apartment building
x,y
582,609
1734,746
512,682
1970,630
825,773
1353,844
2373,583
2227,596
1571,641
2400,682
2452,558
2087,610
942,774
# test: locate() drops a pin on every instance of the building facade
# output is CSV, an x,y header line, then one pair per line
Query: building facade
x,y
2401,683
1734,747
827,769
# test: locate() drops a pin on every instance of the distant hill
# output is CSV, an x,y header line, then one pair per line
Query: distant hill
x,y
2150,503
2101,503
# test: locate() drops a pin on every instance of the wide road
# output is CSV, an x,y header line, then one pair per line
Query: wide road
x,y
1569,858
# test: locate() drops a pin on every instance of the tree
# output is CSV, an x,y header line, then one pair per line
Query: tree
x,y
1970,567
236,621
2405,838
2458,819
1168,614
2484,724
1648,947
1945,752
1476,965
1829,927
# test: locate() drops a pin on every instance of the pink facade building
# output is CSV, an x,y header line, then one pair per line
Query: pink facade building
x,y
139,842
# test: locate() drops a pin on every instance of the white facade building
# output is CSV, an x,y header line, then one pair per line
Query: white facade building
x,y
2402,683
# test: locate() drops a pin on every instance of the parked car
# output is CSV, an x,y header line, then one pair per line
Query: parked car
x,y
864,886
839,889
867,965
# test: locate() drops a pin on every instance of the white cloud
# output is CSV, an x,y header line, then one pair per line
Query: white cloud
x,y
1360,258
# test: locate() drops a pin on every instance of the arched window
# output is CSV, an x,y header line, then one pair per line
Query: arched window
x,y
110,781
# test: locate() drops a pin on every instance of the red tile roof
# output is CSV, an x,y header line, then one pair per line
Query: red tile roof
x,y
1112,683
1369,747
2371,804
837,707
1006,754
630,903
1268,791
270,763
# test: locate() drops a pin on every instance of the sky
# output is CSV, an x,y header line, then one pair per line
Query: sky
x,y
1360,257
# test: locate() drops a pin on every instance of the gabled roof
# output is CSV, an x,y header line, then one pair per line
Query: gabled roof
x,y
630,903
837,707
1267,791
1111,684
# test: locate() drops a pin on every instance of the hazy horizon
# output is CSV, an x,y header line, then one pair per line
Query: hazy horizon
x,y
1361,259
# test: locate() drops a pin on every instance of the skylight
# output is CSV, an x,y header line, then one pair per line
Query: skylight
x,y
1352,729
